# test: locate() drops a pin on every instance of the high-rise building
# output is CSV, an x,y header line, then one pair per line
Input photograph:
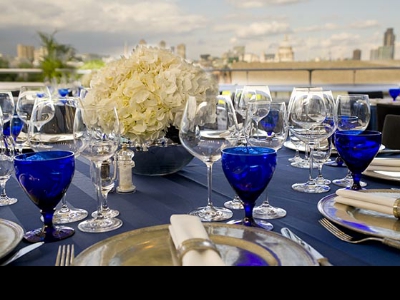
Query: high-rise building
x,y
385,52
25,53
357,54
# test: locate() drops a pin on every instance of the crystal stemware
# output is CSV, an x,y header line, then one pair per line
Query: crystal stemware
x,y
353,113
358,149
249,170
311,119
206,128
45,177
57,134
6,170
97,135
24,106
272,133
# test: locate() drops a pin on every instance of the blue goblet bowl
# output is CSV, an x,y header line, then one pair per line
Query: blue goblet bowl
x,y
45,177
249,170
358,149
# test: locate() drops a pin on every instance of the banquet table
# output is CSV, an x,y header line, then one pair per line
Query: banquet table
x,y
158,197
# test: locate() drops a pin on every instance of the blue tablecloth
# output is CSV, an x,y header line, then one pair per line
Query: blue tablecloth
x,y
157,198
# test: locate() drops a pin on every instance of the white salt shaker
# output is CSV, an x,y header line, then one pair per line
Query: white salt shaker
x,y
125,165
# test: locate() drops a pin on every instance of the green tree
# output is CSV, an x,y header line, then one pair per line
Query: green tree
x,y
55,62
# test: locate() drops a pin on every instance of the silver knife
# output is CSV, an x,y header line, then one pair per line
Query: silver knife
x,y
323,261
22,252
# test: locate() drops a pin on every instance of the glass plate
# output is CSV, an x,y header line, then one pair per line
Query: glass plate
x,y
238,246
10,236
361,220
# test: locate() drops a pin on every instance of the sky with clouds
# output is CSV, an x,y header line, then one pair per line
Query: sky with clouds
x,y
315,28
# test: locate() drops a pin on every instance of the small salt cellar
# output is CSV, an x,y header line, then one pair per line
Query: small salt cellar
x,y
125,165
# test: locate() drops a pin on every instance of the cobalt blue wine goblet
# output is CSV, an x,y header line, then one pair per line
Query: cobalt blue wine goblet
x,y
249,171
394,93
358,149
45,177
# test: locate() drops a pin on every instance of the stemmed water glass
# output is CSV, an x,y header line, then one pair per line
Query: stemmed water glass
x,y
322,153
26,99
235,202
358,149
57,134
97,135
353,113
249,170
394,93
45,177
108,176
311,119
272,133
206,128
6,170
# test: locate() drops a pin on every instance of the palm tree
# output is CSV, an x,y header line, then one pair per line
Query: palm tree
x,y
55,62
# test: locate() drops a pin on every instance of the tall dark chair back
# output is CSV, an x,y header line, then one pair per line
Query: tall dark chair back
x,y
391,132
383,109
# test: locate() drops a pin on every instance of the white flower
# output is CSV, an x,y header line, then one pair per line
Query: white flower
x,y
149,89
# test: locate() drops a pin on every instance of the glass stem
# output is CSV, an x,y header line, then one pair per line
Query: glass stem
x,y
209,184
311,162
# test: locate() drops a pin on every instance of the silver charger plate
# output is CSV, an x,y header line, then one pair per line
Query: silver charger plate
x,y
387,175
238,246
10,236
361,220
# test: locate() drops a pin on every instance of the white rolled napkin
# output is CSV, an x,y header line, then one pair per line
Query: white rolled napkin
x,y
384,164
370,201
185,228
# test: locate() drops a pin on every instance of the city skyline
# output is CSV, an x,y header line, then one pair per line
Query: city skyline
x,y
315,28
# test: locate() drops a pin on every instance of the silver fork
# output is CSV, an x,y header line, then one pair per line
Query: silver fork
x,y
65,255
347,238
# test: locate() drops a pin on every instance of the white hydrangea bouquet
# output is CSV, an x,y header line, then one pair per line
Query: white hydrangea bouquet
x,y
149,89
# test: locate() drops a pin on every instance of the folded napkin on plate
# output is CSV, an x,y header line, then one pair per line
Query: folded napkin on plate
x,y
384,164
187,228
371,201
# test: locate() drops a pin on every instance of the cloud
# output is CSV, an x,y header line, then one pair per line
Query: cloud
x,y
261,3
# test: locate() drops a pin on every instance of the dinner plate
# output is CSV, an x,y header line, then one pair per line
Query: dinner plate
x,y
361,220
302,148
387,175
237,244
10,236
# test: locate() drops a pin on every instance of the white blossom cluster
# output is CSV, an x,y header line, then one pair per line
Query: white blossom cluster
x,y
149,89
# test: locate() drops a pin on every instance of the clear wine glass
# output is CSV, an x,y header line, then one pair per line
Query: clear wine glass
x,y
7,107
206,128
322,153
358,149
97,135
249,170
42,112
108,177
235,203
45,177
26,99
6,170
311,119
273,132
57,134
353,113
